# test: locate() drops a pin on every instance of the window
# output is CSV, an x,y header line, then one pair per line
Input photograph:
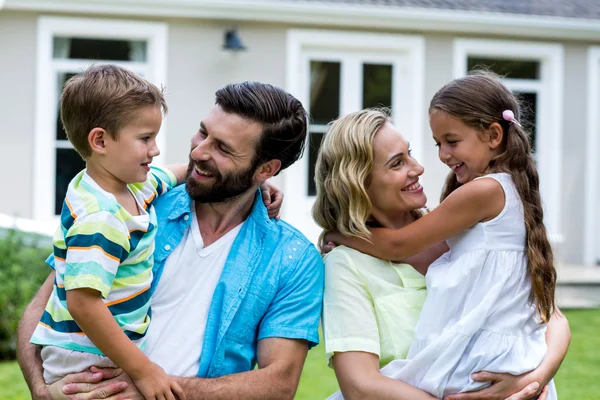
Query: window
x,y
66,47
335,73
533,71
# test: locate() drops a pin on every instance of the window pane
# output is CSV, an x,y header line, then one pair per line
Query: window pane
x,y
68,164
61,79
99,49
314,146
324,91
517,69
528,119
377,85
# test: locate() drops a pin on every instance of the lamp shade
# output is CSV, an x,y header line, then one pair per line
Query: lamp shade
x,y
233,41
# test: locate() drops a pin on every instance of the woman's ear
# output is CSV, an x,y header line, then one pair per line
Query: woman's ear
x,y
97,140
496,134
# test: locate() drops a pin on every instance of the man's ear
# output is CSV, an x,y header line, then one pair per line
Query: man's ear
x,y
267,170
97,140
495,134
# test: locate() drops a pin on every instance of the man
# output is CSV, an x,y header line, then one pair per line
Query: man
x,y
231,287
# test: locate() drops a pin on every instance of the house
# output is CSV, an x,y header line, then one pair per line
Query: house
x,y
336,56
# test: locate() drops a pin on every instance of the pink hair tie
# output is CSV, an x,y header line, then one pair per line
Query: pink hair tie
x,y
509,116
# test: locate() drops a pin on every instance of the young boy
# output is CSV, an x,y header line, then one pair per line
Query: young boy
x,y
100,306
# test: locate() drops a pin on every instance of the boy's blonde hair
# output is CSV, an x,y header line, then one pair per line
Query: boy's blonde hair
x,y
104,96
344,163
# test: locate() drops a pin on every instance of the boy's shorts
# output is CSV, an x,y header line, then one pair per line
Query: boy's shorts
x,y
59,362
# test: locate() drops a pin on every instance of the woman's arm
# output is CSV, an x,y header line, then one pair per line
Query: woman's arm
x,y
476,201
358,374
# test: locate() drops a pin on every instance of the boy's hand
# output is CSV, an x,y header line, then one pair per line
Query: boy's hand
x,y
273,199
154,383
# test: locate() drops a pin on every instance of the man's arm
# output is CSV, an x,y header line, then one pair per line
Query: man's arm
x,y
28,354
280,364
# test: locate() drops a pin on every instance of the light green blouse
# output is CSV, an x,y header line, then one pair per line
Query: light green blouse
x,y
370,305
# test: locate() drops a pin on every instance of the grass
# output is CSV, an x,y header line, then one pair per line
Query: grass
x,y
577,378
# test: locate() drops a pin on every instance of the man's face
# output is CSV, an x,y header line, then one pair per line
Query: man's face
x,y
222,156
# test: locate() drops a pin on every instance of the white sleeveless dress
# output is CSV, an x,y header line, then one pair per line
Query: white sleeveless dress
x,y
477,315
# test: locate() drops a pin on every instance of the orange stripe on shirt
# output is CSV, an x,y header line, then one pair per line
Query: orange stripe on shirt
x,y
95,247
126,298
70,208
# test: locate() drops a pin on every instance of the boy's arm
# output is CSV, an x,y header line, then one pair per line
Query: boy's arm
x,y
93,317
476,201
179,170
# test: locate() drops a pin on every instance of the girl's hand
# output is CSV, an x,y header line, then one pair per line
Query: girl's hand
x,y
273,199
504,387
327,247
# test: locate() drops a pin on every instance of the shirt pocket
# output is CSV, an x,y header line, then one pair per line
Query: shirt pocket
x,y
397,315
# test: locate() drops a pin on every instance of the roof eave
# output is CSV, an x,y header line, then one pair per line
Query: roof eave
x,y
322,14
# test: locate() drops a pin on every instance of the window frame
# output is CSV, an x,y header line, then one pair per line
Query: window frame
x,y
548,114
352,47
45,142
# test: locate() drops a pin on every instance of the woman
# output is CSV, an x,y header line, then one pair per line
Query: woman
x,y
366,177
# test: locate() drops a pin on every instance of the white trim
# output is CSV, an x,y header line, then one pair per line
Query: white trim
x,y
550,101
155,33
333,14
405,52
592,192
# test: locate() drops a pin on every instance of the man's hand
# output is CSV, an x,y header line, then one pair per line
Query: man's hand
x,y
273,199
327,247
105,383
504,387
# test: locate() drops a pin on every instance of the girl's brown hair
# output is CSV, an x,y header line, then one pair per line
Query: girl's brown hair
x,y
478,100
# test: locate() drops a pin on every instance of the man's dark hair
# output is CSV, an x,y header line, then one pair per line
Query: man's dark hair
x,y
283,117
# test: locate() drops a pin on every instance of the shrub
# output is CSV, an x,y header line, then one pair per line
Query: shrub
x,y
22,271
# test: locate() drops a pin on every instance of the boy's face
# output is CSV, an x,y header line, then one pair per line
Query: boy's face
x,y
128,157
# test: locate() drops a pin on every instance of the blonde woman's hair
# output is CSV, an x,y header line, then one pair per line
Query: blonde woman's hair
x,y
344,163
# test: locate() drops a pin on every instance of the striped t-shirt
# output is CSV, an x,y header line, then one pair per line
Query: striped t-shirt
x,y
99,245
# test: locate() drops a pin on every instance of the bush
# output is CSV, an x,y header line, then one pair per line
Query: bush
x,y
22,271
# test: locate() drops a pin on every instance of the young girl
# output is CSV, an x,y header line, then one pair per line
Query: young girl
x,y
490,296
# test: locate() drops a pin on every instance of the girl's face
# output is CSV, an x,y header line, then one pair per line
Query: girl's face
x,y
464,149
394,187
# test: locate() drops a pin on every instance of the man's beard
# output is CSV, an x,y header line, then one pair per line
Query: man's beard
x,y
223,189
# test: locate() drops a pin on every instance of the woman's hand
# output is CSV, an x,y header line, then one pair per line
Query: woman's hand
x,y
504,387
273,199
98,383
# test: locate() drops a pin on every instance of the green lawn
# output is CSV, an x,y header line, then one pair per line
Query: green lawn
x,y
577,378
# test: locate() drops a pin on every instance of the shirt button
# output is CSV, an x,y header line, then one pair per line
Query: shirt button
x,y
186,217
167,247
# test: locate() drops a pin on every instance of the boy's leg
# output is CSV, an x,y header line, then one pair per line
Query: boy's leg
x,y
59,362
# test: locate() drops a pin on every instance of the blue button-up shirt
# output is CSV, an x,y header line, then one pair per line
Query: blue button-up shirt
x,y
271,285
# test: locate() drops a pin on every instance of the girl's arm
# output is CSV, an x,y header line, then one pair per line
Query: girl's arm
x,y
358,374
476,201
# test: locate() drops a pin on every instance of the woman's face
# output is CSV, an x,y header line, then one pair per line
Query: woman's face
x,y
394,187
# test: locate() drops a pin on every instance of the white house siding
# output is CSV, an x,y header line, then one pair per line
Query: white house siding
x,y
17,80
197,66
